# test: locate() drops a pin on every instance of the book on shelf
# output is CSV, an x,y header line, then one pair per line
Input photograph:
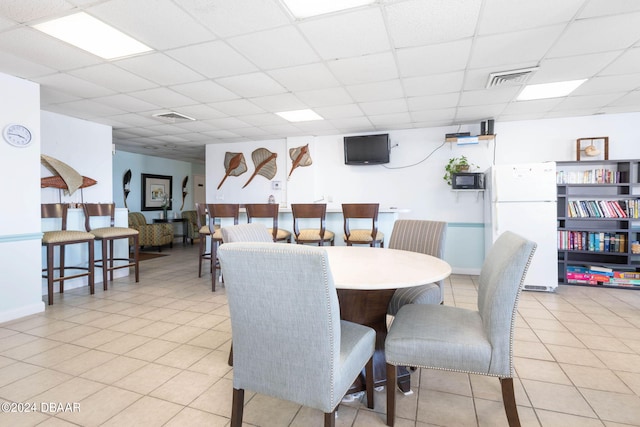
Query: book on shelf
x,y
600,269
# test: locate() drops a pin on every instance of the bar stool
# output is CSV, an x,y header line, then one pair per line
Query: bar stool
x,y
268,210
61,238
109,235
203,233
311,235
219,210
371,236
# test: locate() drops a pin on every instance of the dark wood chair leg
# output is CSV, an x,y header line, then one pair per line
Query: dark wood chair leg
x,y
330,419
111,258
91,268
230,361
201,246
105,263
368,371
136,257
391,394
237,407
61,283
509,400
50,271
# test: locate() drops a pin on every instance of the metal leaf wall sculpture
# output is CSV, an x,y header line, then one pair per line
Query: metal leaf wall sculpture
x,y
126,180
300,157
184,190
234,165
265,162
66,178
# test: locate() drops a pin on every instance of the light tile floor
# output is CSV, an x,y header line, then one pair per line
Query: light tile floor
x,y
155,353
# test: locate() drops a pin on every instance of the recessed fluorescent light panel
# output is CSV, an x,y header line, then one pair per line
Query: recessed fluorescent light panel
x,y
549,90
86,32
300,115
305,8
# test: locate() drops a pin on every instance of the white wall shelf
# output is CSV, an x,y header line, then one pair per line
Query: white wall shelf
x,y
478,193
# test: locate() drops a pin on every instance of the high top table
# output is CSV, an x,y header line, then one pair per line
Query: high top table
x,y
366,278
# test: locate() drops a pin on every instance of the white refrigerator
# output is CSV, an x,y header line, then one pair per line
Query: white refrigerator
x,y
522,198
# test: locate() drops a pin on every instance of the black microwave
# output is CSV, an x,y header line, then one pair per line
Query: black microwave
x,y
467,181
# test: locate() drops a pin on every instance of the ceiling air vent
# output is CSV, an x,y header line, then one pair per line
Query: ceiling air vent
x,y
173,117
510,78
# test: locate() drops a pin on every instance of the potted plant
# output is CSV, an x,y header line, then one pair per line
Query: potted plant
x,y
455,165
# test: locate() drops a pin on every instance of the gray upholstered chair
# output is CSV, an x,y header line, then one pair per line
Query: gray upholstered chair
x,y
426,237
462,340
303,353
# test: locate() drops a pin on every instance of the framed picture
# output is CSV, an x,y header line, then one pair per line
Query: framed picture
x,y
594,148
156,192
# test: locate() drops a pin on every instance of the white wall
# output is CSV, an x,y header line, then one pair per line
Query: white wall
x,y
83,145
413,178
20,235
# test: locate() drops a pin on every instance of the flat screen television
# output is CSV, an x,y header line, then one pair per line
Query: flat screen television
x,y
366,149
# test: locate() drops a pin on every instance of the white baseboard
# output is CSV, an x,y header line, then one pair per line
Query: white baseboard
x,y
19,312
467,271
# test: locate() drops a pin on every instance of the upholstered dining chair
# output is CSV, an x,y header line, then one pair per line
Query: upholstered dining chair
x,y
358,211
269,211
61,238
317,235
422,236
107,236
472,341
304,353
218,211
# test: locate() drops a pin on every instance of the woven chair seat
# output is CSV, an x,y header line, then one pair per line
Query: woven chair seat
x,y
108,232
60,236
282,234
314,234
363,236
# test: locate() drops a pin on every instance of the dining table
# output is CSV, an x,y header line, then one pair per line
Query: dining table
x,y
365,279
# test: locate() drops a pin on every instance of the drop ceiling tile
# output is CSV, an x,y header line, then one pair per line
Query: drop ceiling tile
x,y
213,59
304,77
476,113
376,108
164,97
16,66
489,96
608,84
589,101
631,99
364,69
89,108
197,125
606,7
159,68
126,103
390,119
572,68
353,125
205,91
221,133
135,121
339,111
49,96
33,45
586,36
430,102
277,48
390,89
433,84
108,75
73,85
28,10
252,85
352,34
476,79
227,123
177,29
499,16
325,97
281,102
281,129
514,47
538,106
201,112
6,23
251,132
317,127
166,128
262,119
434,59
434,116
419,22
626,63
196,138
229,18
237,107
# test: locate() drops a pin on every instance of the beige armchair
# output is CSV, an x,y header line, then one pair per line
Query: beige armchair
x,y
156,235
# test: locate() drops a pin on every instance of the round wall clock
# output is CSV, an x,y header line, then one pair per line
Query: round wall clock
x,y
17,135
